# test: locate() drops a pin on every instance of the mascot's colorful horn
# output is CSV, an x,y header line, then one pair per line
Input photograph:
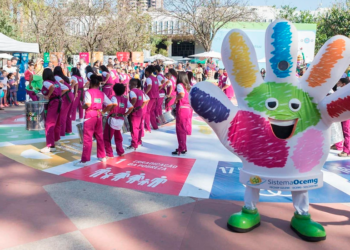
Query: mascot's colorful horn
x,y
281,127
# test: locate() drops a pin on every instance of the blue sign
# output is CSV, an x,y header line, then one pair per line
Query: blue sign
x,y
226,186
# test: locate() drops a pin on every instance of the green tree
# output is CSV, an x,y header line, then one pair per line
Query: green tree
x,y
7,26
334,22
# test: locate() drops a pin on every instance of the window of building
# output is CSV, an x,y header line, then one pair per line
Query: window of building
x,y
171,27
181,48
161,27
166,27
155,26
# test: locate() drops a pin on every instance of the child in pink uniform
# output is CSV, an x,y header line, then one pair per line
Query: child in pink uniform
x,y
138,99
125,78
114,74
171,90
79,84
89,72
162,84
227,86
221,78
191,78
151,89
183,113
94,99
344,146
67,101
52,92
115,121
108,82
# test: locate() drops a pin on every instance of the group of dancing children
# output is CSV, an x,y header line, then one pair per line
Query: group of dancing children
x,y
120,97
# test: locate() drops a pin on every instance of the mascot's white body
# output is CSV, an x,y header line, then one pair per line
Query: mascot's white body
x,y
281,127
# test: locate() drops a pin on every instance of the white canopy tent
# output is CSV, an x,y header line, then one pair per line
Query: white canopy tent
x,y
160,57
5,56
10,45
208,54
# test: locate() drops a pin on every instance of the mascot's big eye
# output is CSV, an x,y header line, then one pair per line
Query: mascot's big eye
x,y
294,105
271,103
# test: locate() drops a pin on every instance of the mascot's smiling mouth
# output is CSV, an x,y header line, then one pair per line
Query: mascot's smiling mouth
x,y
283,129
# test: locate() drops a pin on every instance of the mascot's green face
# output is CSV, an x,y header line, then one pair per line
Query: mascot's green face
x,y
290,109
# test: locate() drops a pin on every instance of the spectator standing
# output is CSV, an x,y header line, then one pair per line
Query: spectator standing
x,y
3,82
199,72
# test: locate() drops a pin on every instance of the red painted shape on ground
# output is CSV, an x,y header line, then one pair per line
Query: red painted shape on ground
x,y
251,136
142,167
27,211
336,108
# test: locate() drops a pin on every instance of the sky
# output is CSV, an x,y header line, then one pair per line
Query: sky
x,y
300,4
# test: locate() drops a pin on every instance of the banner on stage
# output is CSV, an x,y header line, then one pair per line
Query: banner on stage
x,y
137,57
97,56
123,56
85,56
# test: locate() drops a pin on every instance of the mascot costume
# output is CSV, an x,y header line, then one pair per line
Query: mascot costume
x,y
281,127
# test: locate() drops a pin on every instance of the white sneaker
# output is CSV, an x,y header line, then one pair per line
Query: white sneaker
x,y
104,159
58,143
47,150
80,164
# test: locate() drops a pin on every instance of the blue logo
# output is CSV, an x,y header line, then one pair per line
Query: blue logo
x,y
307,40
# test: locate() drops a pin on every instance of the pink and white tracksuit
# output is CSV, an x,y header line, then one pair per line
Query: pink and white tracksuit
x,y
114,75
183,120
93,126
78,102
228,91
66,111
126,81
52,123
109,132
136,118
221,80
107,88
345,145
171,94
159,110
152,104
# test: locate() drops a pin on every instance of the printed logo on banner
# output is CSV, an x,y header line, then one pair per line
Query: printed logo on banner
x,y
226,186
141,171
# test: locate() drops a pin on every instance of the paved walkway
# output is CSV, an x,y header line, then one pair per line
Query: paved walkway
x,y
40,210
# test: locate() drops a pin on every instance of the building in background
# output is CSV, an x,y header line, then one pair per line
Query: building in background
x,y
181,34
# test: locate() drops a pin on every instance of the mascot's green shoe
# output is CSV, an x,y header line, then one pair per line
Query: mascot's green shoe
x,y
244,221
307,229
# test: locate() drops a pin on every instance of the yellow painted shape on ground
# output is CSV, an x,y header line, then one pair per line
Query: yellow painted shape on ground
x,y
29,155
205,130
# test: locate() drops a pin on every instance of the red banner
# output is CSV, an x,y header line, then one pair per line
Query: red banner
x,y
141,171
85,56
123,56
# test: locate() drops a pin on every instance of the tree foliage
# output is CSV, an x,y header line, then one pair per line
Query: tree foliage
x,y
75,26
334,22
206,17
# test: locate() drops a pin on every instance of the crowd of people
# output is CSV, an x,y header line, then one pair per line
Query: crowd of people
x,y
123,90
114,92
